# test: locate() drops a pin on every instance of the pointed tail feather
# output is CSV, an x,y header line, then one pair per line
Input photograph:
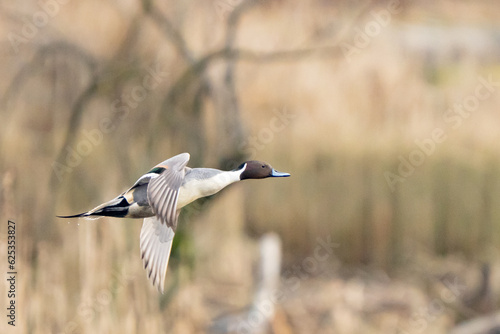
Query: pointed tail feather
x,y
84,214
117,207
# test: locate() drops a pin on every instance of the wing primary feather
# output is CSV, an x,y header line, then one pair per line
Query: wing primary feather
x,y
156,244
158,231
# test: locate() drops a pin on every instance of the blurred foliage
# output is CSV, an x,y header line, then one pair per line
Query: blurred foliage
x,y
95,93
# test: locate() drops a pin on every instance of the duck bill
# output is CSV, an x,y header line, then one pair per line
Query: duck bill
x,y
275,173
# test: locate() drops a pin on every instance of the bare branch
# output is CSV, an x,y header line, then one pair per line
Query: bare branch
x,y
43,53
168,28
232,130
250,56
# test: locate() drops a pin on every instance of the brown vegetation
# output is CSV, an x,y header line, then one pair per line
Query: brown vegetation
x,y
383,161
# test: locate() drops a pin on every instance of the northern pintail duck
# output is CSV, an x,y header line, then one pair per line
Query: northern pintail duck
x,y
158,197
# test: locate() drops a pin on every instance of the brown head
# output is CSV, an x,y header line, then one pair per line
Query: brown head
x,y
258,170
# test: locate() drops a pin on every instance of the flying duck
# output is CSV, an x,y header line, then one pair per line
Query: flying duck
x,y
158,197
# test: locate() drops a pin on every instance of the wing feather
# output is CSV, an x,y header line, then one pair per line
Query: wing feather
x,y
163,190
155,251
158,232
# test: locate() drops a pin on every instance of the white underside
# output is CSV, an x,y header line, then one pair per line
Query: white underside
x,y
194,189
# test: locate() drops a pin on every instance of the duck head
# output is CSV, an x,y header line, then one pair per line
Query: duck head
x,y
258,170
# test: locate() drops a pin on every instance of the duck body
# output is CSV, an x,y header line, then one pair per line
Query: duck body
x,y
134,203
158,197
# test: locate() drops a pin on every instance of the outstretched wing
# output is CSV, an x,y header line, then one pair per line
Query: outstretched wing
x,y
156,243
158,232
163,190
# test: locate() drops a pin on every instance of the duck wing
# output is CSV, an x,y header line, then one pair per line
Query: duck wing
x,y
158,232
163,189
156,243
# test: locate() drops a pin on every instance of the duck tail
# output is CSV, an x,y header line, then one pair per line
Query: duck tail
x,y
117,207
84,214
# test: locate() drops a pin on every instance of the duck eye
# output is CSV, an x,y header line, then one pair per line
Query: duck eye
x,y
263,166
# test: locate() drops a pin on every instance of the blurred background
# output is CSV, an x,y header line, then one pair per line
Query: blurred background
x,y
384,112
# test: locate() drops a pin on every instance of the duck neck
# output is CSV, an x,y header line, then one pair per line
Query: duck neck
x,y
196,188
223,179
